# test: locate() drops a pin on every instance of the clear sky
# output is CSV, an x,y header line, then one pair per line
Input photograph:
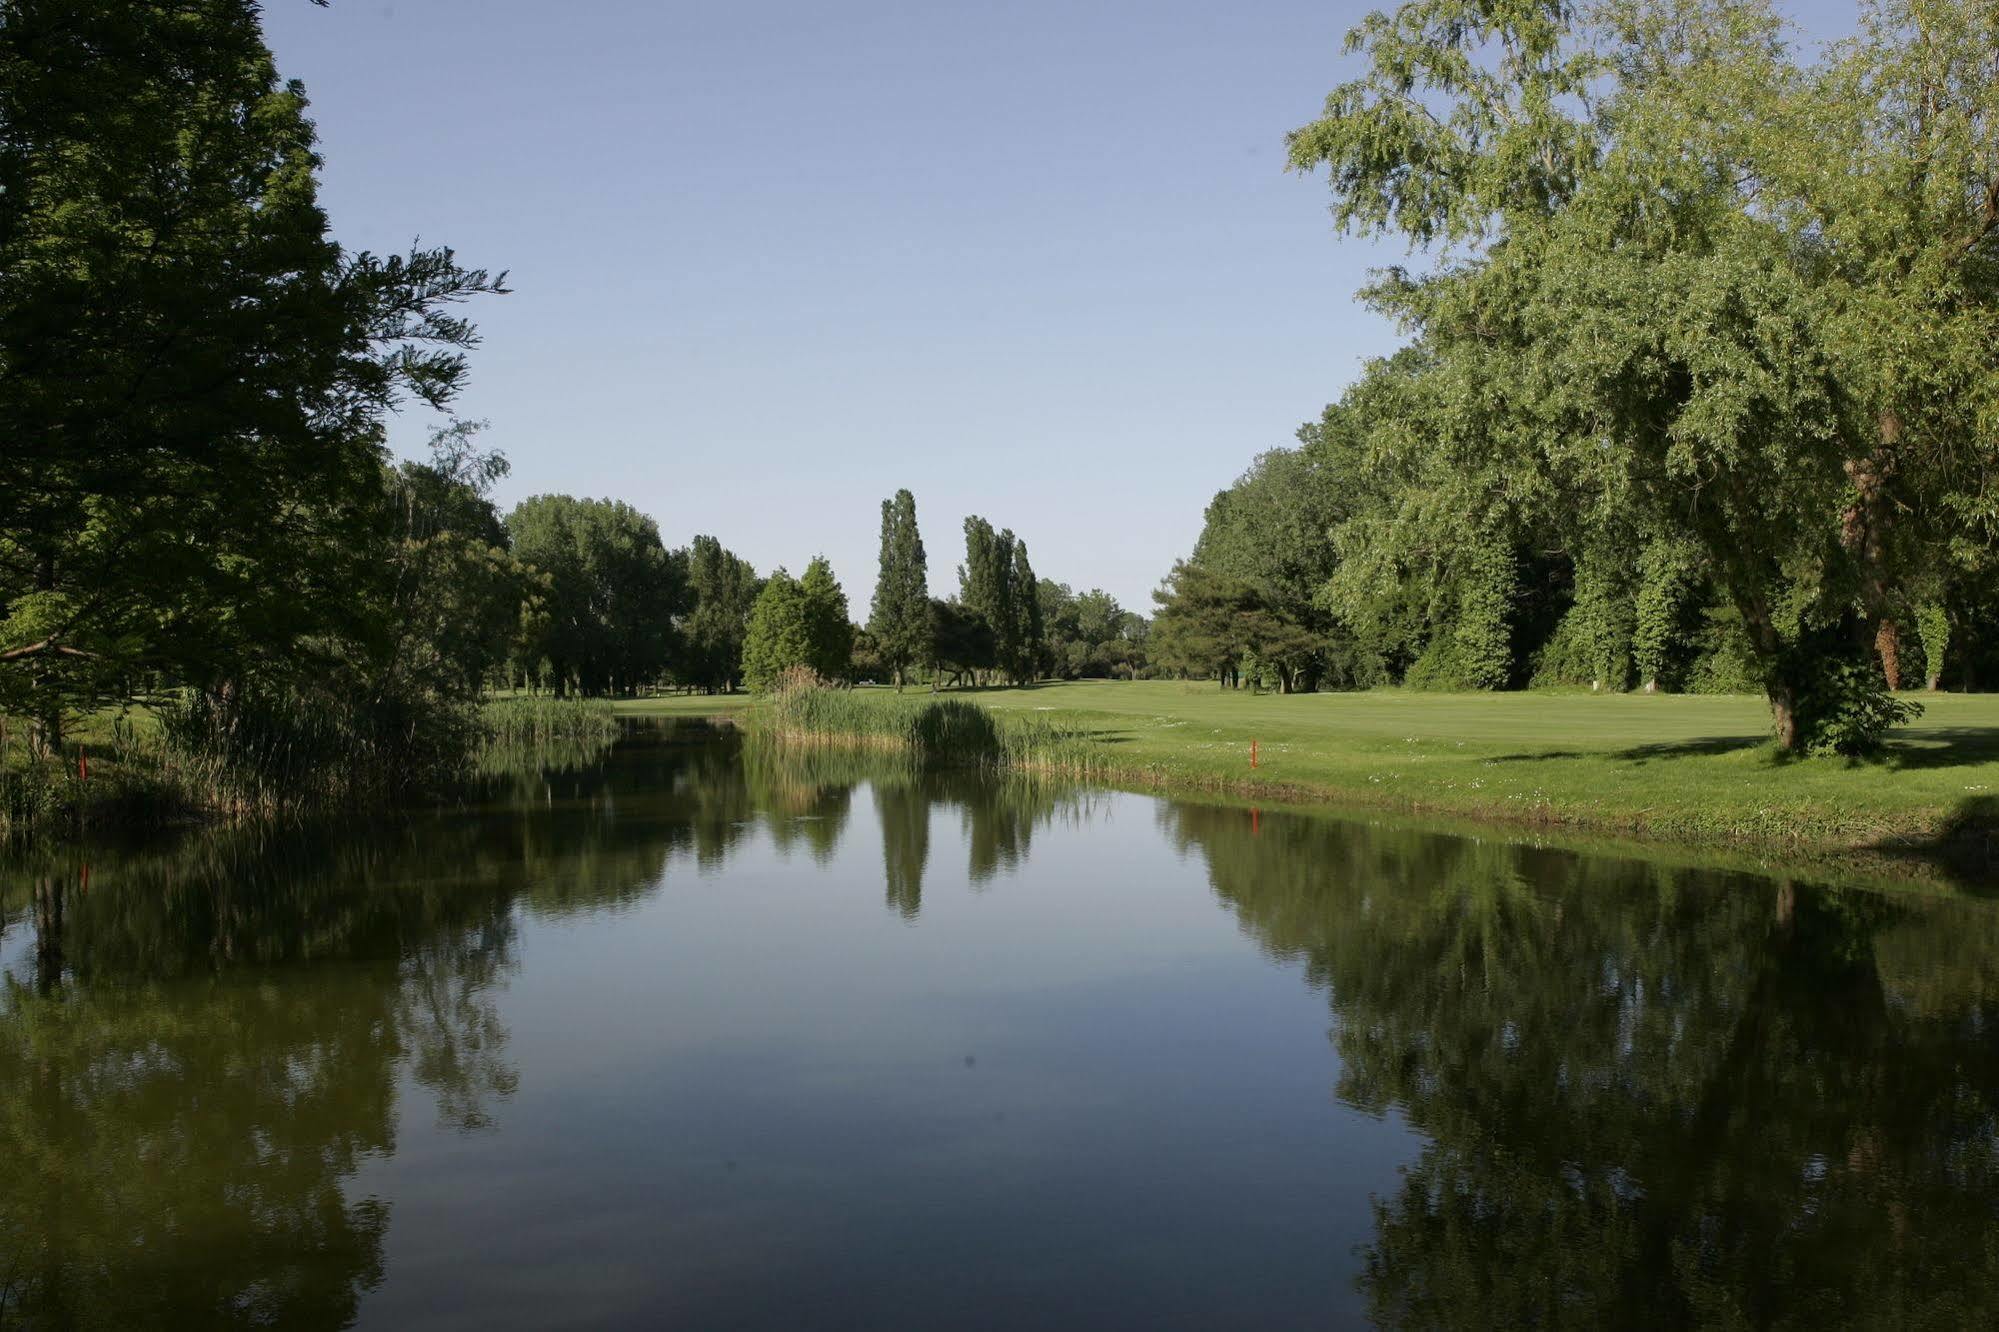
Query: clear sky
x,y
773,260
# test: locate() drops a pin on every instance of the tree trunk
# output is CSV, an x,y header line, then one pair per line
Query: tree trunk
x,y
1651,685
1888,643
1863,531
1935,681
45,735
1784,708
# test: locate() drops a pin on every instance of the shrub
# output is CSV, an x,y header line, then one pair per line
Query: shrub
x,y
1844,707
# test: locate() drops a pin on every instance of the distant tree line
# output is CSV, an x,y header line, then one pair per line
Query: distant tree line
x,y
1703,389
1004,626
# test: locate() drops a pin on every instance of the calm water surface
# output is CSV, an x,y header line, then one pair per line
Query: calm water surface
x,y
689,1035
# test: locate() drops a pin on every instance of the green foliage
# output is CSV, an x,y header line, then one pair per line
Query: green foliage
x,y
1682,286
459,602
197,375
723,587
1665,575
1089,636
1933,627
961,641
946,732
1723,661
1026,641
996,584
899,617
613,591
1845,709
537,722
1479,654
827,627
780,635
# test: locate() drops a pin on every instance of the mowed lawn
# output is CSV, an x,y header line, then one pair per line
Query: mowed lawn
x,y
1686,767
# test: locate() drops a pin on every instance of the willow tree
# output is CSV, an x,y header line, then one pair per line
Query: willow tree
x,y
1628,304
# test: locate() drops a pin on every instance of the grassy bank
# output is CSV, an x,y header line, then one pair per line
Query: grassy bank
x,y
146,770
1694,769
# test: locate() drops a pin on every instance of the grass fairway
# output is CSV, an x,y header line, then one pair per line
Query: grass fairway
x,y
1685,768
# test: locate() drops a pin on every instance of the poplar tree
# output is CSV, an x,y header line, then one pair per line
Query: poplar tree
x,y
899,617
981,586
1024,616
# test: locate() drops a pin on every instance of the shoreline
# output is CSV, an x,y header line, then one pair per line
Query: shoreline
x,y
1960,850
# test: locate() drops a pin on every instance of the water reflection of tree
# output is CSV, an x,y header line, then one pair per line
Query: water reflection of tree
x,y
182,1119
207,1037
1651,1096
905,820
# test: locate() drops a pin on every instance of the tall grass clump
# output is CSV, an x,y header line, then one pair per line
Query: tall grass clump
x,y
937,732
535,732
285,751
542,720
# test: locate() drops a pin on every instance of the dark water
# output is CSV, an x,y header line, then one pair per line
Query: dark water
x,y
690,1036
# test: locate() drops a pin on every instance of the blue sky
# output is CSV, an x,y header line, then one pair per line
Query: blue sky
x,y
771,261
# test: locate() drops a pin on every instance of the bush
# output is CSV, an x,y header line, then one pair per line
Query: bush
x,y
1844,707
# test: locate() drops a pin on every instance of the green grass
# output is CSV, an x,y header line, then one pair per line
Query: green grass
x,y
1698,769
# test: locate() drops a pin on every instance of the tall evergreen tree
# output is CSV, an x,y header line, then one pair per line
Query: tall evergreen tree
x,y
899,618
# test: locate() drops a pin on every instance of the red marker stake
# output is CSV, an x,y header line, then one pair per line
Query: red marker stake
x,y
1252,753
82,764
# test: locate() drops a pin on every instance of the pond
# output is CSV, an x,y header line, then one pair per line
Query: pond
x,y
693,1034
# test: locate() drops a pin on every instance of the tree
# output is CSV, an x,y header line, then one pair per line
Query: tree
x,y
1025,643
899,619
723,587
1199,627
1628,325
458,599
985,591
828,632
196,373
961,640
780,633
614,590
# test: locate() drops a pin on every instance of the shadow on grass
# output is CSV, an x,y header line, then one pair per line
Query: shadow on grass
x,y
1702,747
1944,747
1965,848
1953,747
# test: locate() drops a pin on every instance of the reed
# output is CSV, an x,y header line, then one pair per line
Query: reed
x,y
935,732
529,736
